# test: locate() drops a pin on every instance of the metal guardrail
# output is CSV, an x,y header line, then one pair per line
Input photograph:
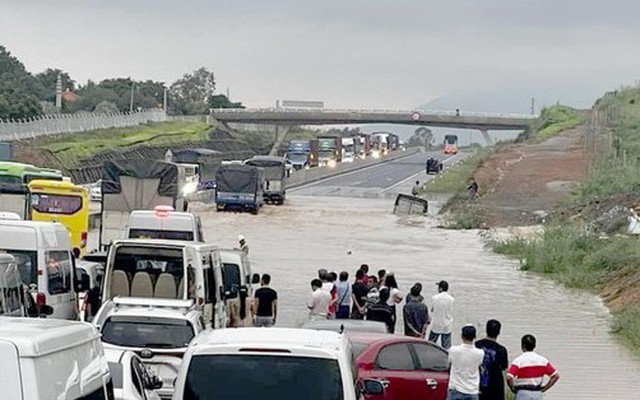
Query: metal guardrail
x,y
374,111
48,125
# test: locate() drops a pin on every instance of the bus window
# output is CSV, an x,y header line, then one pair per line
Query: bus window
x,y
59,272
56,204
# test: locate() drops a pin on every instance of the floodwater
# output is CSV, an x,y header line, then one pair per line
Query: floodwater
x,y
293,241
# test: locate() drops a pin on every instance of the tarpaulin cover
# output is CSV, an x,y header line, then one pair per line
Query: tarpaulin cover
x,y
167,173
238,178
274,167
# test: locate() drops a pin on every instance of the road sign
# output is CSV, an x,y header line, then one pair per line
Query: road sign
x,y
415,116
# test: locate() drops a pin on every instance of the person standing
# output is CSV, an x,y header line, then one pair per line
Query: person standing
x,y
416,189
319,301
343,290
415,313
242,244
442,311
496,361
473,189
266,303
366,279
395,296
381,311
465,360
359,292
527,372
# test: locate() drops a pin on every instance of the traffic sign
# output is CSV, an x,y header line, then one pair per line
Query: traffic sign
x,y
415,116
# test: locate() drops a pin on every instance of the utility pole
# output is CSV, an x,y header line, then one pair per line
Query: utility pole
x,y
164,101
59,91
131,100
533,106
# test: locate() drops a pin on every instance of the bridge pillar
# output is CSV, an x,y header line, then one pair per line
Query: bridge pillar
x,y
280,132
487,138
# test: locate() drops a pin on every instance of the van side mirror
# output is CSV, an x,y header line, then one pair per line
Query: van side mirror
x,y
255,279
372,387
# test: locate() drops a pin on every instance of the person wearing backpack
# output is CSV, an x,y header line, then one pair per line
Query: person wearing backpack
x,y
495,362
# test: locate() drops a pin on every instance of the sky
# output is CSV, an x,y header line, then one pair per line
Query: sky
x,y
484,55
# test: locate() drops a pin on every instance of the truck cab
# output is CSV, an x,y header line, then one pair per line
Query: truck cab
x,y
275,177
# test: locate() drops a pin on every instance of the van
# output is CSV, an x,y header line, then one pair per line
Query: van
x,y
164,223
43,253
15,300
167,269
274,363
43,359
238,282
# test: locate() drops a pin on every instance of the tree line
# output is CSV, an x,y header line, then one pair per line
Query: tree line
x,y
24,95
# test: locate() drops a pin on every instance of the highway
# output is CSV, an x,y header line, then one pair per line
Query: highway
x,y
380,180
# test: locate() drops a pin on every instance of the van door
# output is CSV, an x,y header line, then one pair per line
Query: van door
x,y
56,282
10,379
216,289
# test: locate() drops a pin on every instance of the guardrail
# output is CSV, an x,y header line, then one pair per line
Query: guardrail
x,y
365,111
48,125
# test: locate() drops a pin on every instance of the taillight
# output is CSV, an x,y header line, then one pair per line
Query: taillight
x,y
83,240
41,299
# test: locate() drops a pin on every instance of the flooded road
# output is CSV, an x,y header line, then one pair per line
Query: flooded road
x,y
293,241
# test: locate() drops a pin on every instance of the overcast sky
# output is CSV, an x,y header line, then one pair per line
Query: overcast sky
x,y
489,55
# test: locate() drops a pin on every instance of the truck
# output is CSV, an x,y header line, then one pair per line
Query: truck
x,y
302,154
275,177
349,150
239,186
329,151
394,142
363,145
379,144
129,185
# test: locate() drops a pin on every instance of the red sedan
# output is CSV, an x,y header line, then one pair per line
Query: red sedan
x,y
409,368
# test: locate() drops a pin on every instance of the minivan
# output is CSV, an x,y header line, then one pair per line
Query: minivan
x,y
274,363
43,359
43,253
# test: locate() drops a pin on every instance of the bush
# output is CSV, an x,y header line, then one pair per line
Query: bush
x,y
627,325
552,121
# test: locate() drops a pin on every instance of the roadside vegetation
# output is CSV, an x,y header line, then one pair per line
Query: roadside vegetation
x,y
553,120
84,145
574,250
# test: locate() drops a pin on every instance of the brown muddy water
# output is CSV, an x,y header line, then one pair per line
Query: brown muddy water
x,y
293,241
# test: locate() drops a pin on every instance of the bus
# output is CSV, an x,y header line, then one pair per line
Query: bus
x,y
451,144
14,193
62,202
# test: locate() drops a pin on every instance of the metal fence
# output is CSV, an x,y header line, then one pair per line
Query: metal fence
x,y
48,125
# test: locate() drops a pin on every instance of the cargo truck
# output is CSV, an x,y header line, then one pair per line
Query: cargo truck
x,y
329,151
302,154
275,177
239,186
363,145
349,151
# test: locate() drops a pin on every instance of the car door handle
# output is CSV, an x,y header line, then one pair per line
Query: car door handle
x,y
432,383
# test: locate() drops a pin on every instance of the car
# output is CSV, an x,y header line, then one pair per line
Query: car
x,y
409,368
88,273
131,379
347,325
433,166
273,363
158,330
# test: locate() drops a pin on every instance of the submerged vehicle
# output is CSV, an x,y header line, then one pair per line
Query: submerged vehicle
x,y
275,177
239,186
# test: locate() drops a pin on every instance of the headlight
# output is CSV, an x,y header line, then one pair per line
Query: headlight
x,y
190,187
375,154
331,163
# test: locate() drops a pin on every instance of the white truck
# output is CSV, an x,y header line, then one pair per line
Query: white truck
x,y
129,185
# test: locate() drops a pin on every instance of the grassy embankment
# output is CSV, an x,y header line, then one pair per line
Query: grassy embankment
x,y
76,147
570,252
553,120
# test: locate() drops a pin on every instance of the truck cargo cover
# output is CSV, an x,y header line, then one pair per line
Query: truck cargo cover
x,y
167,173
274,167
237,178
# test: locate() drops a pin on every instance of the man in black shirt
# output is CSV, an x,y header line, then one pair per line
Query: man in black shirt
x,y
382,312
266,304
359,291
495,362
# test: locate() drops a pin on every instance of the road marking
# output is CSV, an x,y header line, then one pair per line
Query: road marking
x,y
446,160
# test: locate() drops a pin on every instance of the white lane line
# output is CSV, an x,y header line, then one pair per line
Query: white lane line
x,y
446,160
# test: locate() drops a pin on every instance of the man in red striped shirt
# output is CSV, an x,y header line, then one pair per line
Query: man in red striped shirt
x,y
527,372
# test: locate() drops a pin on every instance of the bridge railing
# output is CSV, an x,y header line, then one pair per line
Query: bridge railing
x,y
370,111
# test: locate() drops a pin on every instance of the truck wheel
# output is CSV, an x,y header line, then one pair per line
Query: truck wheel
x,y
219,208
254,211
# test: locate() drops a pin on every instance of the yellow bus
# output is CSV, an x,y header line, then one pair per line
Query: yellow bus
x,y
65,203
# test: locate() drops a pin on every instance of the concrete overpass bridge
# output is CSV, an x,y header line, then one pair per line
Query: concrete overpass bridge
x,y
287,117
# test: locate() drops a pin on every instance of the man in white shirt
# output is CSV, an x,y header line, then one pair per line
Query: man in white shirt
x,y
442,316
319,301
465,360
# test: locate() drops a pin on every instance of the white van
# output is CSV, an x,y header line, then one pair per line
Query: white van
x,y
164,223
44,359
238,282
274,363
43,253
167,269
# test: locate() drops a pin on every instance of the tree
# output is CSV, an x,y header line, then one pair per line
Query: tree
x,y
421,137
221,101
191,93
17,88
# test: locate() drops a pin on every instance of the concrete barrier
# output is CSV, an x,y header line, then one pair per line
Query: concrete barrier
x,y
307,176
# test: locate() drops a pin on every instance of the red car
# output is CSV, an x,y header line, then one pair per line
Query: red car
x,y
409,368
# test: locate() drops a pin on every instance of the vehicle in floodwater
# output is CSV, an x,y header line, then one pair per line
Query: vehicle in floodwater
x,y
302,154
275,177
239,186
451,144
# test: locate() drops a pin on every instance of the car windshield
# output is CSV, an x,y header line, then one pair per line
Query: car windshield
x,y
297,157
264,377
27,264
147,332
